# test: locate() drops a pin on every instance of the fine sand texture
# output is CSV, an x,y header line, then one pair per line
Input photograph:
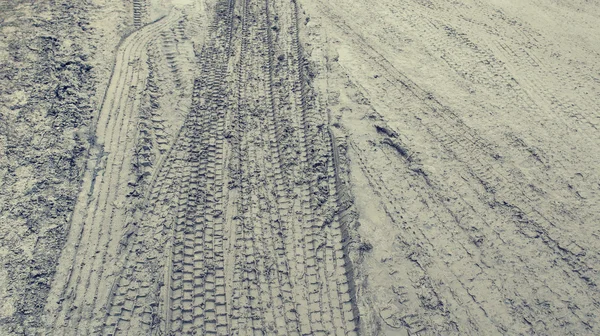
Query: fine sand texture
x,y
296,167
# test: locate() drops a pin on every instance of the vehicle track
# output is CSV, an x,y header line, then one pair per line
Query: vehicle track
x,y
134,301
89,241
466,140
236,226
485,183
197,295
168,44
236,221
286,124
140,12
197,151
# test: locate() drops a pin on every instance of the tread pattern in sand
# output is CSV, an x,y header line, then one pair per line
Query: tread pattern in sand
x,y
487,187
100,214
232,226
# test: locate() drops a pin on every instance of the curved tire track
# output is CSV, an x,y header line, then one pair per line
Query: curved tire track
x,y
78,279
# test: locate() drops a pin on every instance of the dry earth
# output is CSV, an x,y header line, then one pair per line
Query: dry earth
x,y
261,167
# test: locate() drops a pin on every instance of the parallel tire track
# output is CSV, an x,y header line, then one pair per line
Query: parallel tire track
x,y
287,270
287,122
197,295
76,287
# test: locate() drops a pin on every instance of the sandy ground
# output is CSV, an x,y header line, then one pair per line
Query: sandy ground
x,y
473,136
299,167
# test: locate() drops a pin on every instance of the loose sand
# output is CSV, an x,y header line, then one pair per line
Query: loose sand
x,y
300,167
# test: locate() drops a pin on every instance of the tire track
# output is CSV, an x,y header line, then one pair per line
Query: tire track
x,y
250,301
168,186
511,51
484,244
161,199
279,150
197,299
286,120
131,49
144,257
450,132
96,266
525,41
243,265
337,232
260,64
140,12
140,309
170,50
287,272
116,215
338,211
448,128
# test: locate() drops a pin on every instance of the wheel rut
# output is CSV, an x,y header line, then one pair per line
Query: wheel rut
x,y
228,224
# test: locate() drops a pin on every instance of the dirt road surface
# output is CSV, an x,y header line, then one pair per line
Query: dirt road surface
x,y
294,167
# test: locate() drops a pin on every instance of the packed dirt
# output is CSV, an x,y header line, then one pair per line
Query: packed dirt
x,y
296,167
